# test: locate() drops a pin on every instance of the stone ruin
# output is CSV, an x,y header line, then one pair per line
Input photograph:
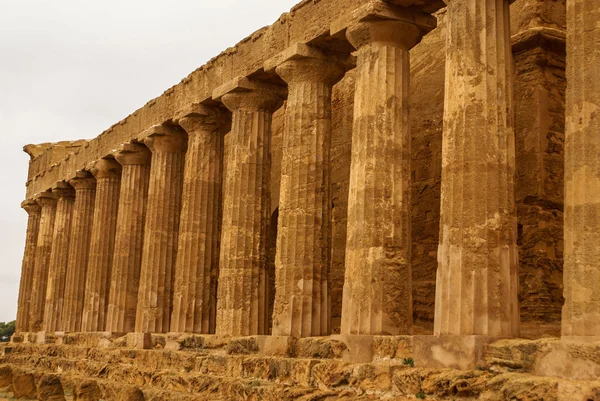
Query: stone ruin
x,y
362,201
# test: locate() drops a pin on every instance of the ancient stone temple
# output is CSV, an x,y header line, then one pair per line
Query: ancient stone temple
x,y
366,200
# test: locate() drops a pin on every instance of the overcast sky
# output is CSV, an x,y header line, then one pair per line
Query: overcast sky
x,y
69,69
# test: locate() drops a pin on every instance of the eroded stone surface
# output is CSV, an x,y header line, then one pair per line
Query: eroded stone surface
x,y
477,277
581,312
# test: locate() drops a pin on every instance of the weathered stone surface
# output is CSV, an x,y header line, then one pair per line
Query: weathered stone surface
x,y
108,185
581,312
377,289
197,268
50,389
23,385
87,390
6,376
131,394
242,303
302,300
79,245
42,260
34,212
57,270
539,43
129,238
168,145
477,277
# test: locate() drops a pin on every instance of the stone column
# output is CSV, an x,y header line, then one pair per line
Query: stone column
x,y
43,249
477,277
581,311
129,240
168,145
377,296
34,211
79,245
241,307
108,186
303,256
57,271
197,268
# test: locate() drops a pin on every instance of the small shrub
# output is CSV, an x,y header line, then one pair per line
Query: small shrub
x,y
420,395
409,361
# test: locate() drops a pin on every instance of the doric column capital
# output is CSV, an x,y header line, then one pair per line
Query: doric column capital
x,y
402,34
31,206
383,24
46,198
165,138
83,180
198,117
63,190
133,154
244,93
105,168
304,63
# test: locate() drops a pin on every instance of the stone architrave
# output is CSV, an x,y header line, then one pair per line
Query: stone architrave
x,y
57,271
168,145
477,277
79,246
302,301
377,295
581,311
95,302
47,201
197,266
34,211
127,260
242,303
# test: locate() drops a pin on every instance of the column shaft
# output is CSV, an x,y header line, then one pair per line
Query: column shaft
x,y
108,186
129,240
79,245
168,146
42,260
302,301
377,297
581,311
242,295
477,278
57,272
197,268
25,289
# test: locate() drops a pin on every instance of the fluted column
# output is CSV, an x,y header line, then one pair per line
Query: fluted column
x,y
42,260
302,301
377,297
108,186
241,305
197,267
581,311
57,271
79,245
34,211
477,277
129,240
168,146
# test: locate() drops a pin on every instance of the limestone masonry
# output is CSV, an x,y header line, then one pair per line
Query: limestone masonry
x,y
366,200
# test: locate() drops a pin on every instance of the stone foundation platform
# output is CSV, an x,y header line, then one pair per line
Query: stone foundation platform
x,y
188,367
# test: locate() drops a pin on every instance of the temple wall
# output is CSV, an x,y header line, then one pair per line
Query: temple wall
x,y
539,113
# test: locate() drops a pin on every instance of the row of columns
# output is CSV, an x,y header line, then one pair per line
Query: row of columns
x,y
165,242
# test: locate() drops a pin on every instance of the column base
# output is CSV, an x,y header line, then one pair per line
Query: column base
x,y
18,338
573,358
360,347
454,352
